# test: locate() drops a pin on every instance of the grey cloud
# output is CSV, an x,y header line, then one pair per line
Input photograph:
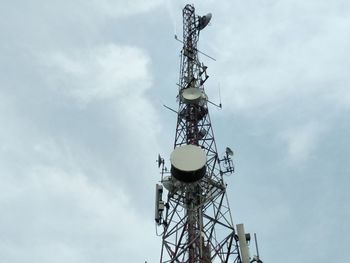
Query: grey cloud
x,y
77,175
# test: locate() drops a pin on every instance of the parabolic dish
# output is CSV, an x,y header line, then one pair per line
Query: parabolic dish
x,y
188,163
192,95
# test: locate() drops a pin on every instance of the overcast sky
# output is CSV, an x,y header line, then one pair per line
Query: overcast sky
x,y
82,85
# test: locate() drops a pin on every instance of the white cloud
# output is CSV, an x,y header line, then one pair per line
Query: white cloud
x,y
273,51
122,8
50,210
65,201
103,72
119,78
302,141
60,201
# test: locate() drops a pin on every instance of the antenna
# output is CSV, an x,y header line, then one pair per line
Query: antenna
x,y
204,21
170,108
257,257
159,207
196,217
229,152
220,97
160,161
256,245
243,244
176,38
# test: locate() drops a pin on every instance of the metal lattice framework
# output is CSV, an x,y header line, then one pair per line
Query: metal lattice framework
x,y
197,223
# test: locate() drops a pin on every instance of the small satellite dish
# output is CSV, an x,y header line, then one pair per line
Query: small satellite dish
x,y
204,21
159,161
229,152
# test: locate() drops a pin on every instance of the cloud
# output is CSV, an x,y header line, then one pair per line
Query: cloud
x,y
102,72
39,26
80,133
75,178
302,141
117,79
123,8
61,200
55,215
273,51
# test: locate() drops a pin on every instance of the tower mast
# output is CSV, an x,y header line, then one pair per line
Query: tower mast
x,y
195,219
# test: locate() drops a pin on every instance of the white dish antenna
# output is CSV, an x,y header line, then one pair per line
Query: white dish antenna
x,y
188,163
192,95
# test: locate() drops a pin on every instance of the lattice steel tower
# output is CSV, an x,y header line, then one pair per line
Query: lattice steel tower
x,y
195,219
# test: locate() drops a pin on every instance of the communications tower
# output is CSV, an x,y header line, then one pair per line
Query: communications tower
x,y
195,219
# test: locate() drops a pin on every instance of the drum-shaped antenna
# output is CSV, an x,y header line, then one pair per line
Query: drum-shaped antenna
x,y
188,163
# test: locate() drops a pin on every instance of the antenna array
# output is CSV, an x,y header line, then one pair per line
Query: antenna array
x,y
196,218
